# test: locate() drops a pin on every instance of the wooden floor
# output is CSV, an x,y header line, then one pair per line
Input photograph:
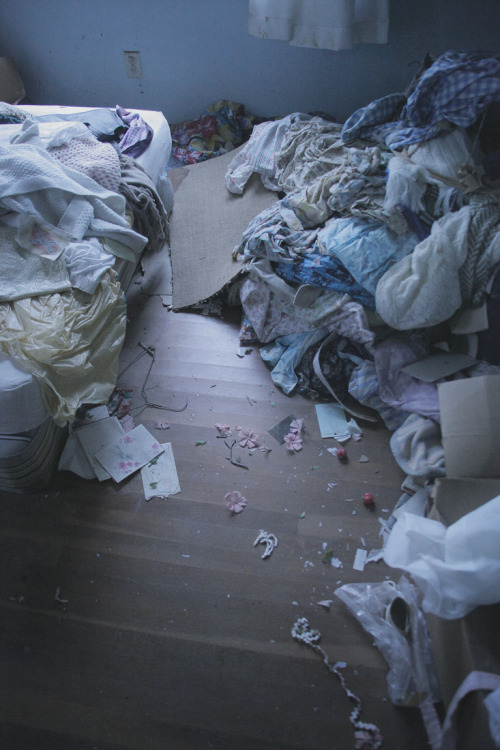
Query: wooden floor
x,y
169,630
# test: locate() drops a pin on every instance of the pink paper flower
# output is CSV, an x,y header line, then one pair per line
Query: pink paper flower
x,y
235,502
248,439
297,426
223,429
293,442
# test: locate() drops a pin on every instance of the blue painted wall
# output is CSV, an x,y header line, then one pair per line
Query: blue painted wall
x,y
195,52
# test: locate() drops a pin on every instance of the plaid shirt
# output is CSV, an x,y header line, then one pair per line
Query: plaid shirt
x,y
457,88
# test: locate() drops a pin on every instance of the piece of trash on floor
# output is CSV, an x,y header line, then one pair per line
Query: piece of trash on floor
x,y
368,500
248,438
234,461
83,442
360,559
293,442
162,425
269,540
200,442
223,429
331,420
326,603
281,429
57,596
366,736
159,476
363,459
129,453
235,502
330,559
333,423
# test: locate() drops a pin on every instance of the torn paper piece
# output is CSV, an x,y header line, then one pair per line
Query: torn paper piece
x,y
353,430
94,437
129,453
331,420
326,603
360,559
363,459
162,425
374,555
159,476
269,540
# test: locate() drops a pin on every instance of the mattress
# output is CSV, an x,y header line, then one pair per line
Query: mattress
x,y
24,420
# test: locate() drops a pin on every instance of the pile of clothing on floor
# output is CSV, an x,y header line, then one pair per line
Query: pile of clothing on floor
x,y
383,248
220,128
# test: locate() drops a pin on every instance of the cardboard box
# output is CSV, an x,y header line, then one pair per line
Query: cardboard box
x,y
470,426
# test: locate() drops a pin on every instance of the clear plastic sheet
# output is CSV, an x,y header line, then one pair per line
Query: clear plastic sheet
x,y
412,678
70,342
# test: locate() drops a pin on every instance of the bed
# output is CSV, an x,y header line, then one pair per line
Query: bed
x,y
84,197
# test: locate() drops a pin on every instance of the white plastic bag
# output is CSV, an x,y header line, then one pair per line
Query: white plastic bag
x,y
457,568
411,679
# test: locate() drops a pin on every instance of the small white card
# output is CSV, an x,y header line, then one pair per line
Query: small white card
x,y
94,436
159,476
129,453
331,420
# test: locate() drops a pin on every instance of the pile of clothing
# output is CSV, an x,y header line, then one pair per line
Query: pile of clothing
x,y
383,247
220,128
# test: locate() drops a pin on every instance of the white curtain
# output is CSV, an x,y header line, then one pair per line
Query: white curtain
x,y
325,24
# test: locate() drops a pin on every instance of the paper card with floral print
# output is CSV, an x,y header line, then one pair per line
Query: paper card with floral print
x,y
159,476
129,453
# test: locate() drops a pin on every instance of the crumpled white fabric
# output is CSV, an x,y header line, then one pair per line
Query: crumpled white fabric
x,y
32,182
417,447
423,289
457,568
